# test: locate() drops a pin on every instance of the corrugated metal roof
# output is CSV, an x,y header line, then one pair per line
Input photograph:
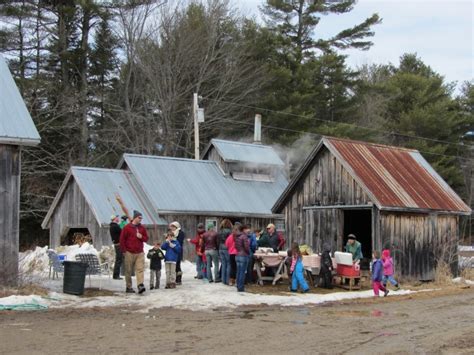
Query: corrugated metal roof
x,y
101,187
186,185
16,125
246,152
393,177
397,177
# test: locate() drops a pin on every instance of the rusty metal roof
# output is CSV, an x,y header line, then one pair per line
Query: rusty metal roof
x,y
393,177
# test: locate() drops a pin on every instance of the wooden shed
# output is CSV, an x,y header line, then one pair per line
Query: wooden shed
x,y
389,197
87,200
171,189
16,130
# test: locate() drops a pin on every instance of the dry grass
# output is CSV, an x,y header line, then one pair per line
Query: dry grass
x,y
467,274
24,290
443,274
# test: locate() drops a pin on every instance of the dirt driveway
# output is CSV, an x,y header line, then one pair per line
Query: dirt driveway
x,y
434,323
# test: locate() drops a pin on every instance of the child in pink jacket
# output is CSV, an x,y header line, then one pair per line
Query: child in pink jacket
x,y
388,269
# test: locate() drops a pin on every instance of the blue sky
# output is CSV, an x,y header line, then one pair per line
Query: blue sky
x,y
439,31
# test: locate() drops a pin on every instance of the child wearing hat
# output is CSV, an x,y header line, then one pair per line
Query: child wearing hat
x,y
173,250
155,255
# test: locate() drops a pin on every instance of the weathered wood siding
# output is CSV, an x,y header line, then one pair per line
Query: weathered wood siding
x,y
10,168
327,183
73,211
418,241
323,225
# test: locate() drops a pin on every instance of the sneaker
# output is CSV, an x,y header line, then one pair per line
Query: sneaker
x,y
211,281
167,286
129,290
151,288
397,288
118,278
386,292
291,290
158,286
141,288
306,291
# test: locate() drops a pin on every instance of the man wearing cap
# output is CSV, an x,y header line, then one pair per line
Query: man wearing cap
x,y
115,232
131,244
211,247
272,239
354,247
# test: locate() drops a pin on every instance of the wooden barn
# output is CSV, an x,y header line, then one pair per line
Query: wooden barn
x,y
16,130
88,198
389,197
172,189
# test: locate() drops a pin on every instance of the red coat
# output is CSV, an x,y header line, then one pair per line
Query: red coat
x,y
198,242
129,241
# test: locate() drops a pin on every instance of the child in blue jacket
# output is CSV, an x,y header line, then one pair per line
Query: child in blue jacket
x,y
297,269
377,275
173,250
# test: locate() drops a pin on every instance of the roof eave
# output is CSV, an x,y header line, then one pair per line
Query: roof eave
x,y
220,213
424,210
31,142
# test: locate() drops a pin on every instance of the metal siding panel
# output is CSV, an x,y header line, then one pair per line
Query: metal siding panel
x,y
247,152
397,177
16,124
188,185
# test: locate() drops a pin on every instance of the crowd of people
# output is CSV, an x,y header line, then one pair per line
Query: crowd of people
x,y
224,256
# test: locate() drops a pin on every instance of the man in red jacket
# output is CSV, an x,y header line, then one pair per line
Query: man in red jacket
x,y
131,243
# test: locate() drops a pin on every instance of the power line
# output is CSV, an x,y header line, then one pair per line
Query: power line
x,y
331,122
317,135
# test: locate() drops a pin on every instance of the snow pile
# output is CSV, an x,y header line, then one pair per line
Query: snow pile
x,y
34,262
459,280
192,295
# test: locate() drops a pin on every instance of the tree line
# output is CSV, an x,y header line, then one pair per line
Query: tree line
x,y
101,78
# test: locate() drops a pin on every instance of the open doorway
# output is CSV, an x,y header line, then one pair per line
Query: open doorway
x,y
359,223
73,234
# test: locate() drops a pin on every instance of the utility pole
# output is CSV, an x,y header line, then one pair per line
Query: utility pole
x,y
196,126
198,116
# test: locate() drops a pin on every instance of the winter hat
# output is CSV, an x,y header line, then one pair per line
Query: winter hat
x,y
176,224
351,236
210,226
137,214
200,226
124,217
114,217
327,247
271,225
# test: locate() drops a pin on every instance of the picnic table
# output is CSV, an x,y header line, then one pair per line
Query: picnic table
x,y
270,260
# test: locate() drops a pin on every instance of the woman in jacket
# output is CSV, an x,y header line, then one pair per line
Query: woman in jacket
x,y
224,231
242,246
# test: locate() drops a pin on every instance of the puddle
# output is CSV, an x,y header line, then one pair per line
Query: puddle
x,y
247,315
299,322
303,311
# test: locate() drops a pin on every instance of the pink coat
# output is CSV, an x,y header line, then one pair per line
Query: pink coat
x,y
230,244
387,263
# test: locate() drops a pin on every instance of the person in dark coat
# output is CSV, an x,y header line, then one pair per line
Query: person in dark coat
x,y
242,245
155,255
175,227
115,231
326,267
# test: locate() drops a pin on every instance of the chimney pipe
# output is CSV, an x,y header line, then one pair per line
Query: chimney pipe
x,y
257,138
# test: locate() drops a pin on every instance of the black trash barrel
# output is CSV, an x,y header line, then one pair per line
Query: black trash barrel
x,y
74,277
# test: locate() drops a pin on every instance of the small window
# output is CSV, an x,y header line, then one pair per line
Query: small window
x,y
209,221
280,225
